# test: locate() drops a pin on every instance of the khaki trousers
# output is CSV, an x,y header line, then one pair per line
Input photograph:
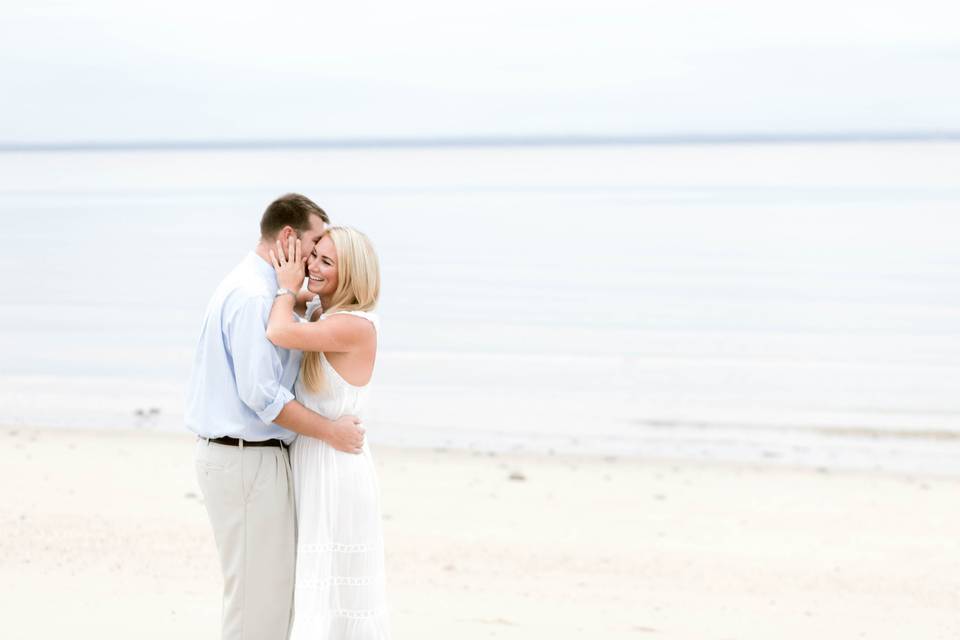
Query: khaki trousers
x,y
248,492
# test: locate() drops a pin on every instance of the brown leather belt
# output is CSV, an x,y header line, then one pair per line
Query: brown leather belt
x,y
234,442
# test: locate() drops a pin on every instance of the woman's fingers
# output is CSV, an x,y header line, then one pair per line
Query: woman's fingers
x,y
273,259
280,254
299,259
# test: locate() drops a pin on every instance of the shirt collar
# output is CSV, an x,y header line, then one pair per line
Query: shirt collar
x,y
263,269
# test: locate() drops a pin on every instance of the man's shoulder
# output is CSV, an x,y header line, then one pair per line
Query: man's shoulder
x,y
240,289
243,282
245,295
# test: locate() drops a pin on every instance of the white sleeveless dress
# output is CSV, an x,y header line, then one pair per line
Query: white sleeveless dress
x,y
340,592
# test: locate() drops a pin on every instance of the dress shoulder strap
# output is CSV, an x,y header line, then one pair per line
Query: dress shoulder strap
x,y
372,317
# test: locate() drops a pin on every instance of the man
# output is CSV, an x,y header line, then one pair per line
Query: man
x,y
239,402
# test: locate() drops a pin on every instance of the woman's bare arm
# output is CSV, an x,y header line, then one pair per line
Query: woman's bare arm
x,y
337,333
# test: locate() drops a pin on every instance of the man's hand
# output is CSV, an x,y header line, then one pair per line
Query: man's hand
x,y
345,434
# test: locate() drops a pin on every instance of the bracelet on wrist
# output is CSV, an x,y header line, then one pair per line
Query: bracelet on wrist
x,y
282,291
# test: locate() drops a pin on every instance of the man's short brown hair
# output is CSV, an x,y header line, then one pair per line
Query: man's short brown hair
x,y
291,209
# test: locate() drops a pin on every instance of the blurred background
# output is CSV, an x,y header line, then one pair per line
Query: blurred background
x,y
685,229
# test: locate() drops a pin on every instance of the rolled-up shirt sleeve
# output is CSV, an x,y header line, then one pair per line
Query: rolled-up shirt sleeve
x,y
256,363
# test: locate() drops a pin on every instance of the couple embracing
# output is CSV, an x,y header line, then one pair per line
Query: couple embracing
x,y
276,396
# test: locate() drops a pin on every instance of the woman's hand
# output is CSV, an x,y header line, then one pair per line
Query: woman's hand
x,y
289,266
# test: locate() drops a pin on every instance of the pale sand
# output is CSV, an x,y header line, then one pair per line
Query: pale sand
x,y
104,536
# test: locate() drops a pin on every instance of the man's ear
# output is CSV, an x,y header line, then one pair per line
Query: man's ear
x,y
283,237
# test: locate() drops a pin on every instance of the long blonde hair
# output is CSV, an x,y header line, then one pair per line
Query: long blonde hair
x,y
358,287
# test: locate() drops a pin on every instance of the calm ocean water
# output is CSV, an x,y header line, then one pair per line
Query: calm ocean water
x,y
795,303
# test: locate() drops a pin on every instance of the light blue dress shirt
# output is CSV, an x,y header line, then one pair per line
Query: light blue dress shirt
x,y
240,381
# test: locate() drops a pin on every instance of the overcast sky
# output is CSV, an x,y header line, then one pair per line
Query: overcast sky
x,y
105,70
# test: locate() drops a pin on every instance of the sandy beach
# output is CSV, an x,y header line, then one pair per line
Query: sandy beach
x,y
104,535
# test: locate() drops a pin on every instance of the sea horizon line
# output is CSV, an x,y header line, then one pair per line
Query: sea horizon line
x,y
256,144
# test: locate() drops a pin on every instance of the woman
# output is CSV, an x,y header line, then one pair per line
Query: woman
x,y
340,591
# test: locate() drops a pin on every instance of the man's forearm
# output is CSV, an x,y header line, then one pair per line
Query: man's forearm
x,y
296,417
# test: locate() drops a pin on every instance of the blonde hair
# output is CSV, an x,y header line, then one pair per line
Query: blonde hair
x,y
358,287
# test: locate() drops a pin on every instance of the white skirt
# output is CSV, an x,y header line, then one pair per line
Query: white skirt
x,y
340,592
